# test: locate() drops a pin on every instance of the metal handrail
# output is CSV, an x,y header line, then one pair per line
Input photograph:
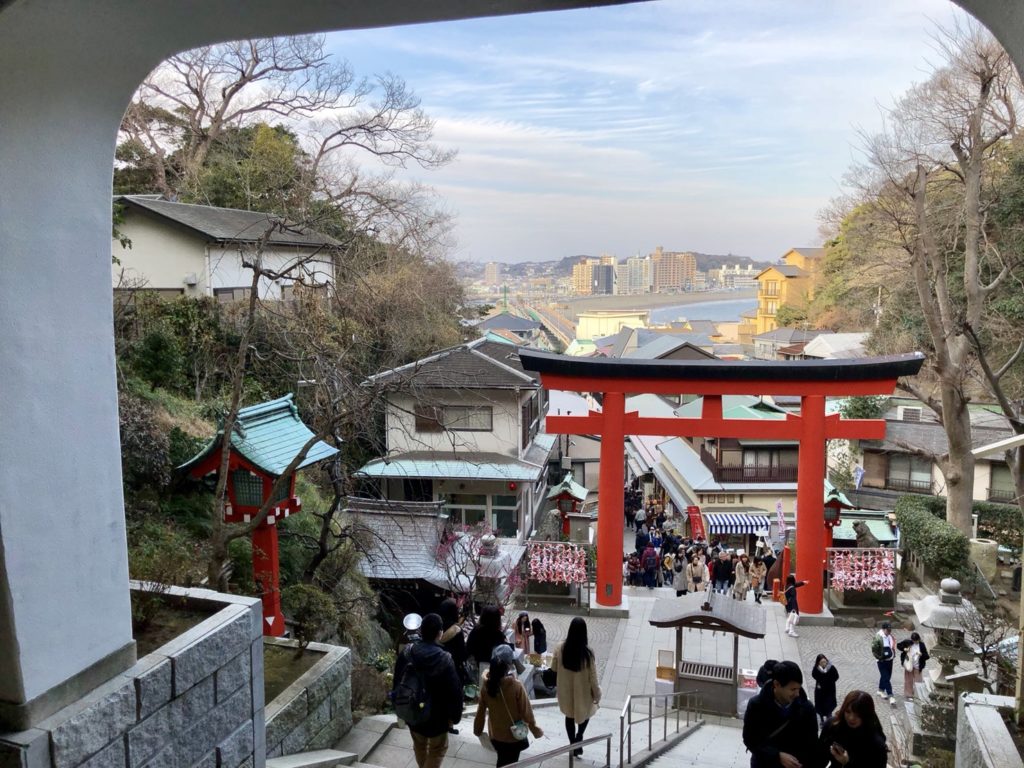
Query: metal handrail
x,y
626,721
571,749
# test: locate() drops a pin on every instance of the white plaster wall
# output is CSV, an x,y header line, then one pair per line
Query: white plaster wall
x,y
227,270
62,94
504,437
159,257
594,325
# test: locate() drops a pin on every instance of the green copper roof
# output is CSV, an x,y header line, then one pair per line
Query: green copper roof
x,y
574,489
880,528
834,494
269,435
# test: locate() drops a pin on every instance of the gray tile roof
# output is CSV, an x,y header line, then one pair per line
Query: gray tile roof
x,y
786,270
225,224
666,345
480,364
930,437
787,335
461,466
508,322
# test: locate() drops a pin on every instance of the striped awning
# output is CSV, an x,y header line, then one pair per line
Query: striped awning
x,y
735,522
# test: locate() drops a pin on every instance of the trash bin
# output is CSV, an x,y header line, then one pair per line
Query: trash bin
x,y
1016,579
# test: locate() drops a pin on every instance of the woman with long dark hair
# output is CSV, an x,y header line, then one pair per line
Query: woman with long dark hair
x,y
505,706
578,690
853,738
485,635
825,676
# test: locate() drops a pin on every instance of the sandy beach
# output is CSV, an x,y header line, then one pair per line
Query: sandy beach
x,y
650,300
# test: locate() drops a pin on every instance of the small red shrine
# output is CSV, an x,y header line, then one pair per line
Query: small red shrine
x,y
568,496
265,440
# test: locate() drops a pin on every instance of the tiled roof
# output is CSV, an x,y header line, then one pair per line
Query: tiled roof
x,y
929,437
540,449
570,486
735,407
480,364
269,435
227,224
787,335
509,322
666,345
406,540
462,466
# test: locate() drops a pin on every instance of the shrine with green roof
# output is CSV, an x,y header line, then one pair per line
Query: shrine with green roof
x,y
265,440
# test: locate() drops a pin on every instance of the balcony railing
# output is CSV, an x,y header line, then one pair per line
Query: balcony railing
x,y
1002,496
905,484
755,474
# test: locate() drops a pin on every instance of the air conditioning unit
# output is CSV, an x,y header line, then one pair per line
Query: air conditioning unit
x,y
191,280
567,463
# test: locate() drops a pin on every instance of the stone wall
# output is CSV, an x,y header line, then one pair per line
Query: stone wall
x,y
196,701
982,740
315,711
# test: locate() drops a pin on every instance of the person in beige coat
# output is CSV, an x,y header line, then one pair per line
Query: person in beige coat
x,y
578,691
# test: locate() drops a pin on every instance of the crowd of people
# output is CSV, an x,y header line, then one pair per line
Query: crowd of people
x,y
661,557
433,669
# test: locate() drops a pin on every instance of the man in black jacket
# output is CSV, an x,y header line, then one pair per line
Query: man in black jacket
x,y
780,727
435,665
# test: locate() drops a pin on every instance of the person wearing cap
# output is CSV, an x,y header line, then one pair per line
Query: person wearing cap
x,y
435,666
884,649
503,703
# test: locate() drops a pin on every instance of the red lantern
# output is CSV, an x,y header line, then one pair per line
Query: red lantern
x,y
512,486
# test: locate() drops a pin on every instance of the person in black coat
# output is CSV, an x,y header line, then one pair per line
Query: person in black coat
x,y
825,676
453,639
485,635
854,737
779,726
435,665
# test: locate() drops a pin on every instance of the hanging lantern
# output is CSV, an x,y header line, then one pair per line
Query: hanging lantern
x,y
832,516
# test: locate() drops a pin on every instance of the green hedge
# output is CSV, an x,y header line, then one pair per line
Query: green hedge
x,y
1002,522
944,550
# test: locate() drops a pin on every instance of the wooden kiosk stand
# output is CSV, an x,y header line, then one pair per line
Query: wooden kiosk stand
x,y
716,682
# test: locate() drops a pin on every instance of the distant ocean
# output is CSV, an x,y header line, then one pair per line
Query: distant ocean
x,y
719,311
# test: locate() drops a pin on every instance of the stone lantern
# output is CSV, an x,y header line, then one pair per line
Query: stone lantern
x,y
933,711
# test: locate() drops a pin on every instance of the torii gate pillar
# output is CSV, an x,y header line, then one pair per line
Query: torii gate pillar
x,y
609,492
810,505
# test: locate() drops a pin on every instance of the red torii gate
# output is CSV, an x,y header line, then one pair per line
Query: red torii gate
x,y
811,380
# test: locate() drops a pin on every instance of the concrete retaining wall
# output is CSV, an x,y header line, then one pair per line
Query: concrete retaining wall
x,y
982,740
315,711
196,701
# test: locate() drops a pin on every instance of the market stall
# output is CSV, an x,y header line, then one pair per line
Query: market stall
x,y
709,612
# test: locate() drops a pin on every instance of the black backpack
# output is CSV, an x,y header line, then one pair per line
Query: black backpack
x,y
411,696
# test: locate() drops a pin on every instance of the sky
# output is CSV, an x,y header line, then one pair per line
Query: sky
x,y
717,126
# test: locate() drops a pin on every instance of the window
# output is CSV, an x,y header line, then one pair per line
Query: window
x,y
418,489
231,294
770,307
248,488
1001,488
909,473
457,418
505,515
530,420
467,509
771,288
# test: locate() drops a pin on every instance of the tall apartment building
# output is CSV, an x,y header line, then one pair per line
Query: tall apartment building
x,y
492,273
634,276
583,276
672,270
735,276
604,279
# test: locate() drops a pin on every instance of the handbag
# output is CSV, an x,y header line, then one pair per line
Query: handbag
x,y
908,664
519,729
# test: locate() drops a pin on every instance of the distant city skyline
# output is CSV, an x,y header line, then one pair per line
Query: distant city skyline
x,y
718,127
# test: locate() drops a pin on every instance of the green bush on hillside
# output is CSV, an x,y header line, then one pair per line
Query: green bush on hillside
x,y
944,550
1002,522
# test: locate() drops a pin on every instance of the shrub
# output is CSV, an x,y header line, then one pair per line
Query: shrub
x,y
944,550
311,609
144,446
1002,522
160,555
157,358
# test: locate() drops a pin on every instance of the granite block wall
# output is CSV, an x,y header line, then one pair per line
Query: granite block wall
x,y
982,739
315,711
196,701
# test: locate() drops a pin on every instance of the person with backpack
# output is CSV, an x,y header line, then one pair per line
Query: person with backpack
x,y
649,561
505,707
883,648
780,728
428,693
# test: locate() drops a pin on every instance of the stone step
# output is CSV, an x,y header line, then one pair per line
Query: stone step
x,y
319,758
366,734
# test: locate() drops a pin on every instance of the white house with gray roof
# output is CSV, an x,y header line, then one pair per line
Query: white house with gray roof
x,y
180,249
463,427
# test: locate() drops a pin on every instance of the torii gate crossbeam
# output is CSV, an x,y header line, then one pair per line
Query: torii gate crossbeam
x,y
811,380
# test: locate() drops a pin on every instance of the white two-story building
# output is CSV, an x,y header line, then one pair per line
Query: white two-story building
x,y
463,427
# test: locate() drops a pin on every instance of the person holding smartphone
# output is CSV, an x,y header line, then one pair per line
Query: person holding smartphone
x,y
853,738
